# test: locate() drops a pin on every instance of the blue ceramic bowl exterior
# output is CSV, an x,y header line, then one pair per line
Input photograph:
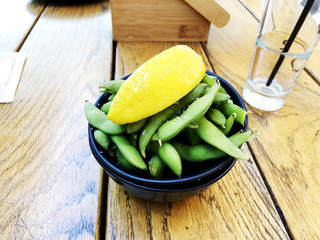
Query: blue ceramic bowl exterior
x,y
196,176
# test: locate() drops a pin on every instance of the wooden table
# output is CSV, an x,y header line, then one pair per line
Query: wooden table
x,y
51,187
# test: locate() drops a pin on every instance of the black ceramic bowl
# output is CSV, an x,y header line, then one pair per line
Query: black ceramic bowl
x,y
195,176
170,193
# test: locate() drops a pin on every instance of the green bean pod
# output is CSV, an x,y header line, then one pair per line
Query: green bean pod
x,y
154,137
198,108
208,132
99,119
112,86
210,80
203,152
102,138
168,154
111,97
229,108
191,126
240,136
156,120
136,126
171,157
123,161
221,98
129,152
216,117
156,166
106,107
228,125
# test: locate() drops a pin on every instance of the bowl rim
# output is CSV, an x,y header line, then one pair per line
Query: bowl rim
x,y
128,175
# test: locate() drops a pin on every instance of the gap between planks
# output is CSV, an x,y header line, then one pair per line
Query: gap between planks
x,y
32,26
102,212
271,193
102,207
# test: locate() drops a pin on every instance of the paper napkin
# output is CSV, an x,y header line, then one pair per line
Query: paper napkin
x,y
11,65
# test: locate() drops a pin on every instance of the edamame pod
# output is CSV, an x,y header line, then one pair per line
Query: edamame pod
x,y
197,109
229,108
106,107
216,117
229,124
130,153
208,132
221,98
241,137
198,153
102,138
191,126
156,166
112,86
171,158
99,119
154,137
136,126
210,80
111,97
123,161
156,120
203,152
168,154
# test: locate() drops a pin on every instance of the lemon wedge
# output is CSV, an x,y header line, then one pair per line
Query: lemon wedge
x,y
158,83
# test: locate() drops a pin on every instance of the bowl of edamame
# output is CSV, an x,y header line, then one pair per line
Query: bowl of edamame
x,y
177,162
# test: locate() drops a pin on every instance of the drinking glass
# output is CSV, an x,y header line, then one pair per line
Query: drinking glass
x,y
288,33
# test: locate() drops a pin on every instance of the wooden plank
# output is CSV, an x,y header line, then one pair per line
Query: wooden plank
x,y
313,65
49,179
168,20
16,20
288,149
237,207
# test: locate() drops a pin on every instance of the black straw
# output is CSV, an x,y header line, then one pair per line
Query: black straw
x,y
293,35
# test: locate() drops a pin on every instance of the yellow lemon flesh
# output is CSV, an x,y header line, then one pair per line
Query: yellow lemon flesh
x,y
157,84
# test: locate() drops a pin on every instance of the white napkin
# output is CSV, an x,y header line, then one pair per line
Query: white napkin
x,y
11,65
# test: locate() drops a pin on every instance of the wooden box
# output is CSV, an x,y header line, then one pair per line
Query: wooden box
x,y
157,20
